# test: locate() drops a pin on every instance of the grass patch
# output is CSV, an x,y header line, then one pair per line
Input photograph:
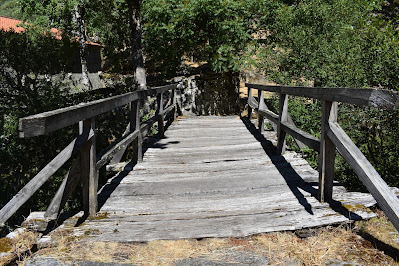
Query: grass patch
x,y
324,245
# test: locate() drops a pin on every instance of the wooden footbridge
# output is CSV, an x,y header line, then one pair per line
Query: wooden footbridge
x,y
210,176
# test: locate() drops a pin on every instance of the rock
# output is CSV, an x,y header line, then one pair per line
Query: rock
x,y
93,263
340,263
44,242
16,233
45,261
226,258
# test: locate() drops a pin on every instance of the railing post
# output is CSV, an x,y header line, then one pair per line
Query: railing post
x,y
135,125
327,152
174,102
160,115
249,107
283,117
261,105
89,172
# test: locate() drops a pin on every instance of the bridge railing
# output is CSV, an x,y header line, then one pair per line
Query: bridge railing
x,y
333,137
86,167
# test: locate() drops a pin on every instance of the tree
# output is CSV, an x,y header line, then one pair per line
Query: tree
x,y
332,43
214,31
339,43
136,46
66,15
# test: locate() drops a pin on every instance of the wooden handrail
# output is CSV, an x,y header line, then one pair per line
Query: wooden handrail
x,y
332,135
359,96
89,162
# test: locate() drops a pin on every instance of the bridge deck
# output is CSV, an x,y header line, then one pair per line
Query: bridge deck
x,y
216,177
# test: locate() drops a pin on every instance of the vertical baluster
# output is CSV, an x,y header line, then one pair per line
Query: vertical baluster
x,y
135,125
249,107
261,105
283,117
160,115
327,152
89,172
174,104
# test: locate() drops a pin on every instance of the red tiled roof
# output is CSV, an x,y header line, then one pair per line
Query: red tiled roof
x,y
8,24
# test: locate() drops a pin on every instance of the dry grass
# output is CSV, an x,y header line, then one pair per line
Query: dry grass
x,y
325,245
18,248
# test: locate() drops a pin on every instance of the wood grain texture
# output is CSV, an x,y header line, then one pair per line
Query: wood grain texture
x,y
65,190
359,96
216,177
304,137
117,146
36,182
283,118
386,199
41,124
327,152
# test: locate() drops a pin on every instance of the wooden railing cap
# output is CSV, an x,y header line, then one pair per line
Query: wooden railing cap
x,y
386,99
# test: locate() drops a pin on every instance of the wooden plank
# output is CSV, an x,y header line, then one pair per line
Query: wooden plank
x,y
306,138
169,109
269,115
327,152
283,117
89,171
36,182
359,96
121,143
135,125
66,189
250,103
145,127
162,89
273,118
160,115
386,199
117,157
174,103
261,118
209,190
41,124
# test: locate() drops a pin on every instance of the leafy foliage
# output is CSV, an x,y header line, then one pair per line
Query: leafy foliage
x,y
26,62
10,8
217,32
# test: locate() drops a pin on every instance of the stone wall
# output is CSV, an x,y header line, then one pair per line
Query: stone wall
x,y
209,94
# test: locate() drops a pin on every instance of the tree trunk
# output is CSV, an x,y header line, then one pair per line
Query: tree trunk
x,y
81,32
137,49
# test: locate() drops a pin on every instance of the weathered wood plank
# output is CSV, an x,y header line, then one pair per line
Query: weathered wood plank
x,y
47,122
306,138
359,96
208,190
386,199
327,152
41,124
136,126
162,89
283,117
269,115
121,143
36,182
89,172
160,115
66,189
